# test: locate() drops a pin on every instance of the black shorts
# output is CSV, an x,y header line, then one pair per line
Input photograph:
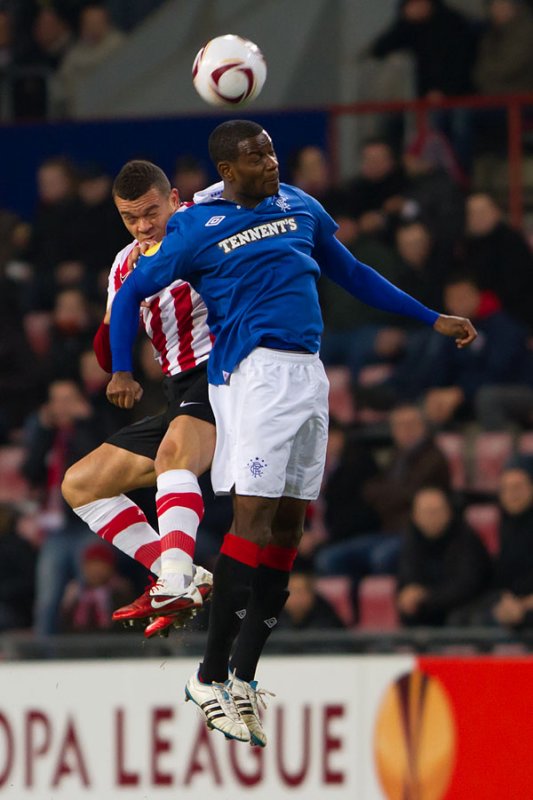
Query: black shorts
x,y
187,395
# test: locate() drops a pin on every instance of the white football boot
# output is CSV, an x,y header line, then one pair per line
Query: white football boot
x,y
218,707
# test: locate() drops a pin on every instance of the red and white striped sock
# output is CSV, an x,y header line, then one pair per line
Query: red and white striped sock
x,y
123,524
180,509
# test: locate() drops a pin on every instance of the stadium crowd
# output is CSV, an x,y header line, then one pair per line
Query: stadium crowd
x,y
427,499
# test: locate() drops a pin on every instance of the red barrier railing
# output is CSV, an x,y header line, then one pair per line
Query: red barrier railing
x,y
422,109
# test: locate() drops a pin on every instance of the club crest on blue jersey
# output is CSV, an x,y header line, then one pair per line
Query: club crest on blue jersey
x,y
257,467
283,203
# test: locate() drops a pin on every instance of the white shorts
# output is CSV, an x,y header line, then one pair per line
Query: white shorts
x,y
272,426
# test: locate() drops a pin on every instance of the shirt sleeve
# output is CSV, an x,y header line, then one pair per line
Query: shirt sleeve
x,y
366,284
325,226
159,267
102,348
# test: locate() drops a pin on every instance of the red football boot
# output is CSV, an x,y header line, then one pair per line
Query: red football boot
x,y
139,610
161,625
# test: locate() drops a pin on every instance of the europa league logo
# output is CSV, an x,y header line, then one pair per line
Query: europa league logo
x,y
415,739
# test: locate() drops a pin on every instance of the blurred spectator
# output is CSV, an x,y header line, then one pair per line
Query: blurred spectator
x,y
352,329
511,601
499,257
97,40
443,564
341,511
422,271
51,39
504,62
17,573
99,233
21,377
499,356
14,240
433,193
94,381
72,332
445,378
310,170
415,462
305,609
60,433
53,240
443,44
7,41
89,601
350,465
190,176
378,189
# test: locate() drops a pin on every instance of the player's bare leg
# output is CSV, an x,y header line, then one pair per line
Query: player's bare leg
x,y
95,488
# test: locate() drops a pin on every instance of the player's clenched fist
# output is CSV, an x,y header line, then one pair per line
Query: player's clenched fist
x,y
123,391
138,251
459,328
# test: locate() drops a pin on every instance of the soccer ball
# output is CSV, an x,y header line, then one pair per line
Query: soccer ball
x,y
229,71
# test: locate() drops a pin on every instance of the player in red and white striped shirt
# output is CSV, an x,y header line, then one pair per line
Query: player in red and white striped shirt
x,y
172,449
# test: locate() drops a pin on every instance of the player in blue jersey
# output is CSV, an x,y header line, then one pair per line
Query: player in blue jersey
x,y
255,254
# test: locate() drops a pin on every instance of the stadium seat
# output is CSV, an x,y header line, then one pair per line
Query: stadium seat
x,y
337,590
37,329
453,447
484,518
377,603
490,453
13,486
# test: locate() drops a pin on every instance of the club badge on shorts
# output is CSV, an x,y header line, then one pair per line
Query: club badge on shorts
x,y
257,467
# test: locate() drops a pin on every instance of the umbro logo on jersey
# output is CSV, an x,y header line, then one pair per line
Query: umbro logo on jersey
x,y
214,221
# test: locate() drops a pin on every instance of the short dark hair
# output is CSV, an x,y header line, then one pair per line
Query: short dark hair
x,y
225,139
138,177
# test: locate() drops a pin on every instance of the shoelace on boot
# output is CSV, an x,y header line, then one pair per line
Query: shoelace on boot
x,y
252,694
226,701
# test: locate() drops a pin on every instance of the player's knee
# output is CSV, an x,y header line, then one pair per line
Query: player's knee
x,y
70,487
172,456
78,487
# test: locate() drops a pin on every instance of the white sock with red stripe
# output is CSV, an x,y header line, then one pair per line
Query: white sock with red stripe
x,y
180,509
121,522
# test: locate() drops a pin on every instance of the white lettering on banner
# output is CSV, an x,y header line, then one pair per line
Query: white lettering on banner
x,y
101,729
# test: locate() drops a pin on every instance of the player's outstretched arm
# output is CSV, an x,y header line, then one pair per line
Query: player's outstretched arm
x,y
457,328
366,284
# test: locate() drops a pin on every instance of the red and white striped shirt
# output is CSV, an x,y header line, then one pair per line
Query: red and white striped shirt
x,y
176,320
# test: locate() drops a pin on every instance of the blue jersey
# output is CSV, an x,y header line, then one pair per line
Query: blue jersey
x,y
256,270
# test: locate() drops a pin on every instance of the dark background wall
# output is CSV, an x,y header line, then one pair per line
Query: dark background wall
x,y
111,143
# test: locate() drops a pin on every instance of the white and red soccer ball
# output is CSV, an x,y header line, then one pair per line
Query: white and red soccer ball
x,y
229,71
